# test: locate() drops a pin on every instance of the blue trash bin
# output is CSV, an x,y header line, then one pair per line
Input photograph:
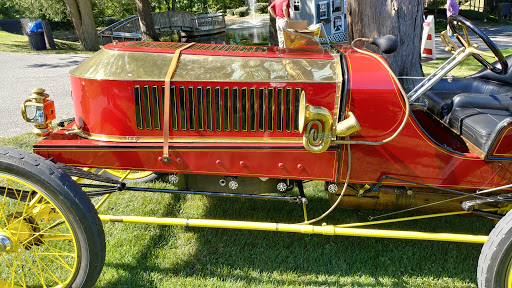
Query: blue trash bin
x,y
36,40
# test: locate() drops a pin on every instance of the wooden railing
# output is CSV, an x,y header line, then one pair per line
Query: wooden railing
x,y
189,24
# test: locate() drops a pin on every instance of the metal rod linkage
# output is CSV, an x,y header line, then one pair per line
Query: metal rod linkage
x,y
296,199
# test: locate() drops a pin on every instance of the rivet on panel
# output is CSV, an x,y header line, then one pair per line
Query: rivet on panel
x,y
300,166
218,162
281,165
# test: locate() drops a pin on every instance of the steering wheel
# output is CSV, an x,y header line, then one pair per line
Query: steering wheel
x,y
496,53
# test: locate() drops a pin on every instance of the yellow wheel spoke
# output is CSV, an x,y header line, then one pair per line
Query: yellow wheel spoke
x,y
34,269
62,262
13,271
45,253
40,262
42,232
58,237
35,200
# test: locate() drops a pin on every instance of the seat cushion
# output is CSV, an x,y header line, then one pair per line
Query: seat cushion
x,y
476,124
439,103
440,96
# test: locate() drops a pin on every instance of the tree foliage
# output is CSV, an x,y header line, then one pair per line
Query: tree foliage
x,y
47,9
8,10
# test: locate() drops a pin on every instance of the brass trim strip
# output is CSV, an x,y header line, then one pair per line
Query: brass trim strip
x,y
288,110
147,107
270,109
296,105
279,108
218,109
191,108
227,108
155,97
236,109
209,110
200,108
183,108
252,111
244,104
261,109
138,108
202,139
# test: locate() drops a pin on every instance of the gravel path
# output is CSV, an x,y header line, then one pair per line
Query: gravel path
x,y
21,72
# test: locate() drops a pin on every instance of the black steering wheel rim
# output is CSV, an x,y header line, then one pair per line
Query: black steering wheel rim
x,y
457,19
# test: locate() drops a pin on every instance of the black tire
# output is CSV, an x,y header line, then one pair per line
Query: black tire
x,y
495,262
74,213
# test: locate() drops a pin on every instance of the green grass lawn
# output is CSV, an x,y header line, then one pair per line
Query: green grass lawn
x,y
468,67
19,43
160,256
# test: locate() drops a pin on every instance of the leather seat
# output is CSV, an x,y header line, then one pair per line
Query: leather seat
x,y
477,106
440,96
480,117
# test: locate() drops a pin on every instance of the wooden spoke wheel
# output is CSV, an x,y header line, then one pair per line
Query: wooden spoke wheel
x,y
50,233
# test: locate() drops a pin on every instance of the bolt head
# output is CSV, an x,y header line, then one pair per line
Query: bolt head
x,y
233,184
173,178
281,187
333,188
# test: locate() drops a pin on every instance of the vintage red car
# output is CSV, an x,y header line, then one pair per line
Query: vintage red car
x,y
252,121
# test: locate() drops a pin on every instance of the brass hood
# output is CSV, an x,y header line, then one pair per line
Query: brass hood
x,y
146,66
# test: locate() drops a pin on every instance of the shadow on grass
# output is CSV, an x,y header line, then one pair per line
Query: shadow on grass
x,y
270,259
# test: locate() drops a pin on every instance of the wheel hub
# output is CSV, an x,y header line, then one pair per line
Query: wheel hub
x,y
6,244
23,232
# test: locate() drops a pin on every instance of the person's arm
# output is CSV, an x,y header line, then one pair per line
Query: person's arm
x,y
272,10
286,10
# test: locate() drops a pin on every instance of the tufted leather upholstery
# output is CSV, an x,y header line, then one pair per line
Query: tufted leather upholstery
x,y
480,117
477,106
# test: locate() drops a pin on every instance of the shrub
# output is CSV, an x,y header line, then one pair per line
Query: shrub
x,y
110,20
230,12
221,11
261,8
242,11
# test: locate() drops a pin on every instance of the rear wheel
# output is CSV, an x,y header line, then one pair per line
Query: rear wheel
x,y
134,176
50,233
495,262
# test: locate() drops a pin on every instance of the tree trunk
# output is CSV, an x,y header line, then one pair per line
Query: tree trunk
x,y
147,26
402,18
80,12
173,5
272,29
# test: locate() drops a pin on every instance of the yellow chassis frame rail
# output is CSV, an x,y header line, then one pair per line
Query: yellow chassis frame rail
x,y
298,228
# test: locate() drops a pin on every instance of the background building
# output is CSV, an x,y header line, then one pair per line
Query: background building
x,y
331,13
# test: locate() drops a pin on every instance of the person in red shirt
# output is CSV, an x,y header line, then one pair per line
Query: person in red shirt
x,y
280,9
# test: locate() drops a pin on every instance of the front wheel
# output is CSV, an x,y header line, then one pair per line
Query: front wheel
x,y
50,233
495,262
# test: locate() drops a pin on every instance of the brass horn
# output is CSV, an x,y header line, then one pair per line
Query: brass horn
x,y
316,122
348,126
